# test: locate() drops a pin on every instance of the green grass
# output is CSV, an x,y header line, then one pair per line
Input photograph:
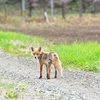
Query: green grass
x,y
19,44
85,56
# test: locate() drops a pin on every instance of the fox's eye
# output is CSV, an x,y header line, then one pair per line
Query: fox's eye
x,y
37,53
33,53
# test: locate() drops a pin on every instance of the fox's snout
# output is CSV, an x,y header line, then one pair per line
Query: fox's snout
x,y
36,57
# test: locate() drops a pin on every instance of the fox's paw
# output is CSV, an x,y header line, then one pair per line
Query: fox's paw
x,y
48,77
55,76
40,77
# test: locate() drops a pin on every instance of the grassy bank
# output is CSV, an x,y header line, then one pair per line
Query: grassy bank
x,y
19,44
85,56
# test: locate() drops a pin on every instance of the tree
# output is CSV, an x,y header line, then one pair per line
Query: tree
x,y
44,6
31,6
96,6
81,8
63,7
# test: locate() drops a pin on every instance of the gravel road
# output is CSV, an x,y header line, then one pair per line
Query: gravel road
x,y
75,84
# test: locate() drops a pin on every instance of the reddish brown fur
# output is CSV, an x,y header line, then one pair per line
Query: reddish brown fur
x,y
43,60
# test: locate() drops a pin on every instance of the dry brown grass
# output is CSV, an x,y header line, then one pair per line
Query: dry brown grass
x,y
86,20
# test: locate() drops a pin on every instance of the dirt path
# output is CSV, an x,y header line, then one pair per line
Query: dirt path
x,y
75,85
67,34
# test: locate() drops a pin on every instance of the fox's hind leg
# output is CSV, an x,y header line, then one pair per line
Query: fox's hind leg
x,y
61,73
55,73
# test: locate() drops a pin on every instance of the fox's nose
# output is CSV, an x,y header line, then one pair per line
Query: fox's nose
x,y
35,57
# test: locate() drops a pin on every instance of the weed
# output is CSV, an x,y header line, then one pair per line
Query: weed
x,y
22,87
10,89
11,94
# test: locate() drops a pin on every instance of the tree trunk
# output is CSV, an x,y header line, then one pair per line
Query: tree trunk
x,y
52,10
63,10
81,8
30,9
44,9
45,12
96,7
5,8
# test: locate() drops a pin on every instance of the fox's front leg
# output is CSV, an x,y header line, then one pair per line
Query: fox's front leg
x,y
41,65
48,71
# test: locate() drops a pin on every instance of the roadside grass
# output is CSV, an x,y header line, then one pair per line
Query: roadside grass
x,y
85,56
19,44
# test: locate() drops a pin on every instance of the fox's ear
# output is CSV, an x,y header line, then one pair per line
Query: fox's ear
x,y
32,48
39,49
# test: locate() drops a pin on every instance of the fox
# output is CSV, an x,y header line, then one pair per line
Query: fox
x,y
47,59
